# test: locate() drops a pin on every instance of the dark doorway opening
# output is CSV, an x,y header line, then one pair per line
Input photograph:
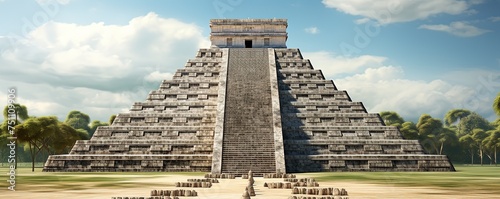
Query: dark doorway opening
x,y
248,43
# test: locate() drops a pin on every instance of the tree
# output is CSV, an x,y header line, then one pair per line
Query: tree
x,y
429,129
496,104
36,133
478,135
492,143
455,115
112,119
82,134
94,125
64,138
21,114
391,118
471,122
4,140
447,136
409,130
78,120
496,124
468,142
47,134
20,110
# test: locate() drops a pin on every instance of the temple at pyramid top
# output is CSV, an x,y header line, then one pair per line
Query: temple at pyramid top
x,y
248,33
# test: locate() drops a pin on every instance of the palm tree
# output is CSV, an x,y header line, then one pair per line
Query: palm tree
x,y
468,142
447,135
455,115
496,105
478,135
492,142
392,118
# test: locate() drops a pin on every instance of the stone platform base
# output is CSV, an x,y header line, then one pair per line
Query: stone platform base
x,y
133,163
368,162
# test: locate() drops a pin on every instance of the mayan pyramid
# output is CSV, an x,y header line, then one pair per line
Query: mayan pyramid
x,y
248,103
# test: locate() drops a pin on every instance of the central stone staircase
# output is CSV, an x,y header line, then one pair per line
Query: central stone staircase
x,y
248,142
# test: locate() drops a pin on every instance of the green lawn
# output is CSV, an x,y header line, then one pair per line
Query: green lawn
x,y
478,178
486,178
40,181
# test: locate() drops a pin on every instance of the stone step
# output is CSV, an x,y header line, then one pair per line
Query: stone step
x,y
248,142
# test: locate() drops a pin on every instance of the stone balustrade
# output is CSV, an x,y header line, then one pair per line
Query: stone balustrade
x,y
278,185
212,180
278,175
320,191
299,180
221,176
194,184
178,192
290,185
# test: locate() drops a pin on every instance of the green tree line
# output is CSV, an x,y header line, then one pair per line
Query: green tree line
x,y
463,135
39,137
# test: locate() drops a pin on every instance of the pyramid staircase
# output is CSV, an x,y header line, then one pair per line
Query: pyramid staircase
x,y
248,130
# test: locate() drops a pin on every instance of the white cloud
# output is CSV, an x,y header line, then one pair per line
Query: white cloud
x,y
45,2
393,11
475,2
382,87
105,53
96,68
43,100
157,76
458,28
312,30
495,19
332,64
362,20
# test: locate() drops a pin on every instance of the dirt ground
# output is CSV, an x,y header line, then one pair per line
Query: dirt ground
x,y
233,189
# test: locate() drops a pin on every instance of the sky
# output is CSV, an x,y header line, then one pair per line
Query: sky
x,y
98,57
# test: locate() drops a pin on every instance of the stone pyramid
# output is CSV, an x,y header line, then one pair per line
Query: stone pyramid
x,y
248,103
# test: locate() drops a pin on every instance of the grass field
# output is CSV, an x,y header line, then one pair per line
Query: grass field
x,y
484,179
25,179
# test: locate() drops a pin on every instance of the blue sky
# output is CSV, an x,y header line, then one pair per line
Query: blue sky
x,y
99,57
